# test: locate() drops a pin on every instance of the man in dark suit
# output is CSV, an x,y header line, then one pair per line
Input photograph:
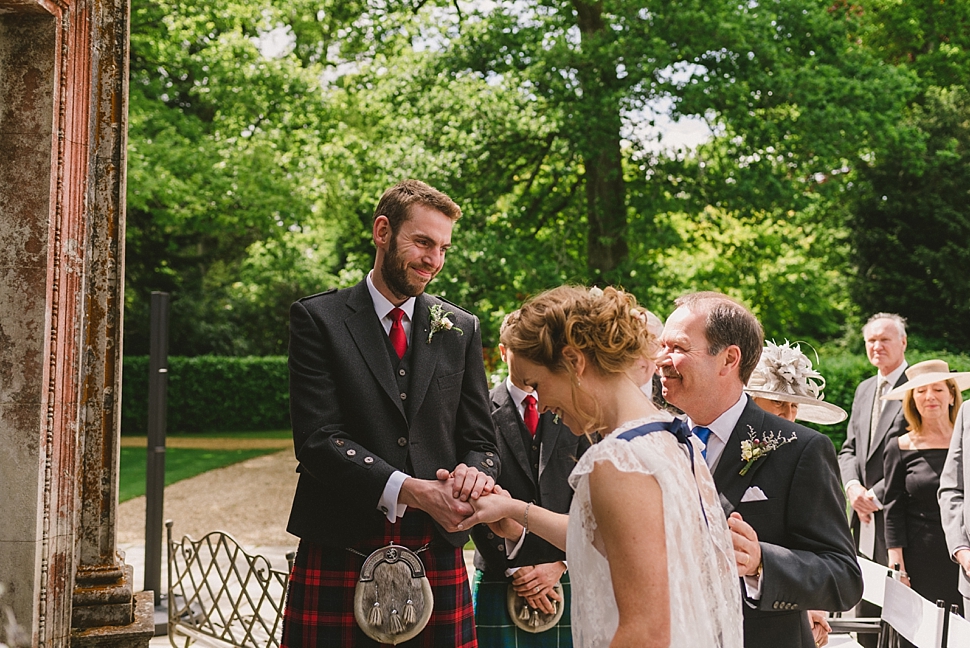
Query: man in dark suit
x,y
871,423
787,519
391,427
538,452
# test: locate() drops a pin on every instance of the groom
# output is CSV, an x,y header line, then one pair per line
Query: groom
x,y
391,427
790,532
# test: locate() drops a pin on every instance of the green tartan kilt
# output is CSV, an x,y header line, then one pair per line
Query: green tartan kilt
x,y
495,628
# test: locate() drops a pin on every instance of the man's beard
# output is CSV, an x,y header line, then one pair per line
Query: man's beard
x,y
395,273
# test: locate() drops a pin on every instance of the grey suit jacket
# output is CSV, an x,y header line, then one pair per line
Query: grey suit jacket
x,y
863,461
954,505
352,425
558,454
808,558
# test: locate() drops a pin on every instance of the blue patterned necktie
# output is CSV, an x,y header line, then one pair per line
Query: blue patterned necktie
x,y
703,434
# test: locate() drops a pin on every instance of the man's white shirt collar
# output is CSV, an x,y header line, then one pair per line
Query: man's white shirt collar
x,y
383,307
722,427
518,395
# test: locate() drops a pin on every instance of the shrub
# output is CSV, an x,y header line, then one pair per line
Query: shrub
x,y
210,393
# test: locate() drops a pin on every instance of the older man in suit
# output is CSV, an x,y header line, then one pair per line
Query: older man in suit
x,y
954,504
871,423
538,452
787,518
391,427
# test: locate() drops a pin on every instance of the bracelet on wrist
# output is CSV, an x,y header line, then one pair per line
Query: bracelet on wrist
x,y
527,505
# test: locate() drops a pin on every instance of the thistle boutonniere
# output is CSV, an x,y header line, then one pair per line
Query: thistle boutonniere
x,y
440,322
754,448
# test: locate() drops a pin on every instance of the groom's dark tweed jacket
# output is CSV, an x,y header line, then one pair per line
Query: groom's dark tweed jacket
x,y
808,555
354,424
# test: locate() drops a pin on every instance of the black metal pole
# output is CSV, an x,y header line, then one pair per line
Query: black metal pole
x,y
155,468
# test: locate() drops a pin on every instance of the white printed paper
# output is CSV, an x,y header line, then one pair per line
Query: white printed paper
x,y
867,538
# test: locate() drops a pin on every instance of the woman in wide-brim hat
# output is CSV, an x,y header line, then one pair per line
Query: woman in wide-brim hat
x,y
913,462
785,384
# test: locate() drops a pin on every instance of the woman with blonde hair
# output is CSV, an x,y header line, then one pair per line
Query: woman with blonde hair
x,y
913,463
646,540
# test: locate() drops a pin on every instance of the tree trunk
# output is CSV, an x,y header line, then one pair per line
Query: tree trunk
x,y
599,117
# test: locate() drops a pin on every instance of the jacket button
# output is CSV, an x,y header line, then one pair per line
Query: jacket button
x,y
368,460
351,452
339,442
490,536
489,462
401,372
501,547
402,442
403,396
489,454
774,605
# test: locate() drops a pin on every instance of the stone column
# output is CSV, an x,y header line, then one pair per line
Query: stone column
x,y
63,123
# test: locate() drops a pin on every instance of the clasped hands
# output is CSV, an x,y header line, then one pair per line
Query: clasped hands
x,y
448,498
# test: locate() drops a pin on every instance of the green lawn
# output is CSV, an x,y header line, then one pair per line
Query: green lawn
x,y
180,463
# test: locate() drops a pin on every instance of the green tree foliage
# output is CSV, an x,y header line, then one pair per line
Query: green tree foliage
x,y
911,222
910,216
220,161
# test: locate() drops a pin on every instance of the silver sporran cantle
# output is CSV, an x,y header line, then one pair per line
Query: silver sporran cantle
x,y
393,599
530,619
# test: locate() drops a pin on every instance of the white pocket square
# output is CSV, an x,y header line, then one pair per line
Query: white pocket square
x,y
754,494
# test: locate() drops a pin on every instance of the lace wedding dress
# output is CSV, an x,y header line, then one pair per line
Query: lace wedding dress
x,y
705,594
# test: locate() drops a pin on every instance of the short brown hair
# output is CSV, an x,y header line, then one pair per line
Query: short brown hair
x,y
728,322
915,419
396,202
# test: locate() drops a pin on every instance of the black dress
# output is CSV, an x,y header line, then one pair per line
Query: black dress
x,y
913,522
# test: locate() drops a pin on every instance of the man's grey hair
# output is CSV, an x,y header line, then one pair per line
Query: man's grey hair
x,y
728,322
898,320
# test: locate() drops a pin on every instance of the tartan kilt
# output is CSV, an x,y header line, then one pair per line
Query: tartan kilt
x,y
320,599
495,628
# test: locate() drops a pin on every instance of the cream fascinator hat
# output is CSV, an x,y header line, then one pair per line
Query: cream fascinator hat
x,y
926,373
784,373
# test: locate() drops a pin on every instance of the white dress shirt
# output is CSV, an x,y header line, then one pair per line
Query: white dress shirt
x,y
721,430
388,504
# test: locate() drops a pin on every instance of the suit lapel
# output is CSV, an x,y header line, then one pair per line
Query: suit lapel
x,y
507,420
727,476
889,412
368,334
424,356
550,437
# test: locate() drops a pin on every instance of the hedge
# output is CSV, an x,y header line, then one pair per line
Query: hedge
x,y
218,394
210,394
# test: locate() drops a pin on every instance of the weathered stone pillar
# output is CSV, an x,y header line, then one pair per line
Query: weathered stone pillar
x,y
63,123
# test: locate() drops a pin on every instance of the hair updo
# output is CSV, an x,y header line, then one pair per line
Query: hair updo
x,y
605,325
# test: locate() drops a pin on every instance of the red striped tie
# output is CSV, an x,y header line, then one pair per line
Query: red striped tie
x,y
398,340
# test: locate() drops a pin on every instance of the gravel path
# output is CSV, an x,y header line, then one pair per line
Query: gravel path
x,y
250,500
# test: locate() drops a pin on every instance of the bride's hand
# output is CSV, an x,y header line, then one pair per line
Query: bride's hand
x,y
491,510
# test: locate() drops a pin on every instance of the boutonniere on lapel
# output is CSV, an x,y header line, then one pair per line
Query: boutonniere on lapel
x,y
755,448
440,322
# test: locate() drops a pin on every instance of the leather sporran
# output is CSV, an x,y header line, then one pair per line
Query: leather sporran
x,y
393,599
530,619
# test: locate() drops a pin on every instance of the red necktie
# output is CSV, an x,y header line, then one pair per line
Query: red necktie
x,y
531,416
398,340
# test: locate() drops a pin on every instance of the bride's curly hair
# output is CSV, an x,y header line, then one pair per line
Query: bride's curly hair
x,y
606,326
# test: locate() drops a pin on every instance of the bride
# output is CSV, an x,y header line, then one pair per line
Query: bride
x,y
646,540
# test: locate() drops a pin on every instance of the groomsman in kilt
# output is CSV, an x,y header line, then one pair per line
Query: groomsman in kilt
x,y
538,453
391,427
